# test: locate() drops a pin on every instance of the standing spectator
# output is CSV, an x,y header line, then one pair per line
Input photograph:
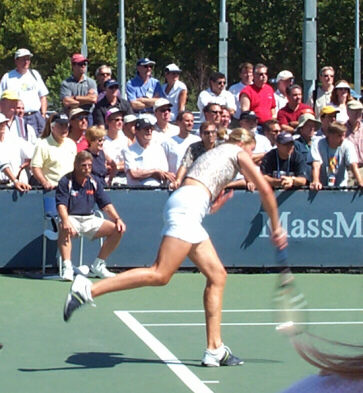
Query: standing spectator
x,y
79,90
355,135
332,157
246,78
145,161
163,128
288,115
76,196
30,88
111,99
249,121
259,97
284,167
175,90
284,79
320,97
143,90
176,146
208,134
216,93
213,113
103,74
54,154
78,124
270,129
25,131
307,127
340,97
328,114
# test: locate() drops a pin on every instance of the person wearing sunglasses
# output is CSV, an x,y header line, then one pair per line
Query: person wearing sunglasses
x,y
216,93
103,74
143,90
163,129
79,90
78,124
110,100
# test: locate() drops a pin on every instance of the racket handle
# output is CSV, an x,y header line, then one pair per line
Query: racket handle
x,y
281,256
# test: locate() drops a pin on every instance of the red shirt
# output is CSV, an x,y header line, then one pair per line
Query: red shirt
x,y
82,144
262,100
285,115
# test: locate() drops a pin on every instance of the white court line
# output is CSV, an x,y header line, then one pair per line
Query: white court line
x,y
182,372
253,323
248,310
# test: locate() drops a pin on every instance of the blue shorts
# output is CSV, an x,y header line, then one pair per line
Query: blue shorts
x,y
184,212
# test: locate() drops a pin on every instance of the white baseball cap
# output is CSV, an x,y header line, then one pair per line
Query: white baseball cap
x,y
22,52
284,75
172,68
161,102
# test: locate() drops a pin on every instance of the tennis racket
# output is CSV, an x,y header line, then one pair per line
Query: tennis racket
x,y
290,303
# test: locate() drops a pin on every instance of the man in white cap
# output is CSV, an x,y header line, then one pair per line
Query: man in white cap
x,y
143,90
175,90
355,135
29,86
284,79
79,90
163,128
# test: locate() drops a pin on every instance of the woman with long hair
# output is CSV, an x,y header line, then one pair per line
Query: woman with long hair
x,y
202,191
340,97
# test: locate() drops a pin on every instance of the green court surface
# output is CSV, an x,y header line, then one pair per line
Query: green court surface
x,y
152,339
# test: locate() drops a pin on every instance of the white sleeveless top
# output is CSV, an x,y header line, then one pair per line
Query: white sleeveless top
x,y
216,167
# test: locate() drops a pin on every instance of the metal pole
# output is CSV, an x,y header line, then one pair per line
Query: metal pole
x,y
121,50
223,44
357,52
84,29
309,48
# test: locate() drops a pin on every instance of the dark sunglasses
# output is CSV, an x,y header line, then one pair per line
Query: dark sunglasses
x,y
216,112
81,117
105,74
209,132
165,110
81,64
147,66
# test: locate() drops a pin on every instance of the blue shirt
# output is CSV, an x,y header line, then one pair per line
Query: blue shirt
x,y
99,169
137,88
80,200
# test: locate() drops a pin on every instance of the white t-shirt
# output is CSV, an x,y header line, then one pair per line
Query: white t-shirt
x,y
160,136
175,149
18,127
236,90
113,147
206,96
280,99
28,86
173,96
152,157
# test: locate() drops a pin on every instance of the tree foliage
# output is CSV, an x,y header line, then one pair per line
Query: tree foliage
x,y
186,32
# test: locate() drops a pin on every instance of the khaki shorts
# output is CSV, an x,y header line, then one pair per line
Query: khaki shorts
x,y
86,226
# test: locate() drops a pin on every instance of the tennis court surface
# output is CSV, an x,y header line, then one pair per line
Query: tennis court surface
x,y
152,339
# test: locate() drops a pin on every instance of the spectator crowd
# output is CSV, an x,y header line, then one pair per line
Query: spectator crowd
x,y
148,138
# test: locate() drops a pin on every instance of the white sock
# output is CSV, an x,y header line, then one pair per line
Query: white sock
x,y
218,352
98,261
67,263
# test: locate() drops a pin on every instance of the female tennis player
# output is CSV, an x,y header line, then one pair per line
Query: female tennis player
x,y
202,191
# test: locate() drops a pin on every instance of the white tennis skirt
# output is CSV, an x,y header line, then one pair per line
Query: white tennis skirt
x,y
184,212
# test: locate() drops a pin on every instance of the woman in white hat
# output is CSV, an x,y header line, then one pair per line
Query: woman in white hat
x,y
340,97
175,90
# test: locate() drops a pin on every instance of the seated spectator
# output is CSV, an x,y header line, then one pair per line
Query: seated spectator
x,y
78,124
25,130
143,90
95,137
208,134
111,99
16,154
288,115
270,129
54,154
306,129
259,97
340,97
284,167
332,157
129,128
212,113
284,79
216,93
115,142
249,121
175,91
5,169
76,195
246,78
176,146
163,128
328,114
103,74
355,135
145,161
226,118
